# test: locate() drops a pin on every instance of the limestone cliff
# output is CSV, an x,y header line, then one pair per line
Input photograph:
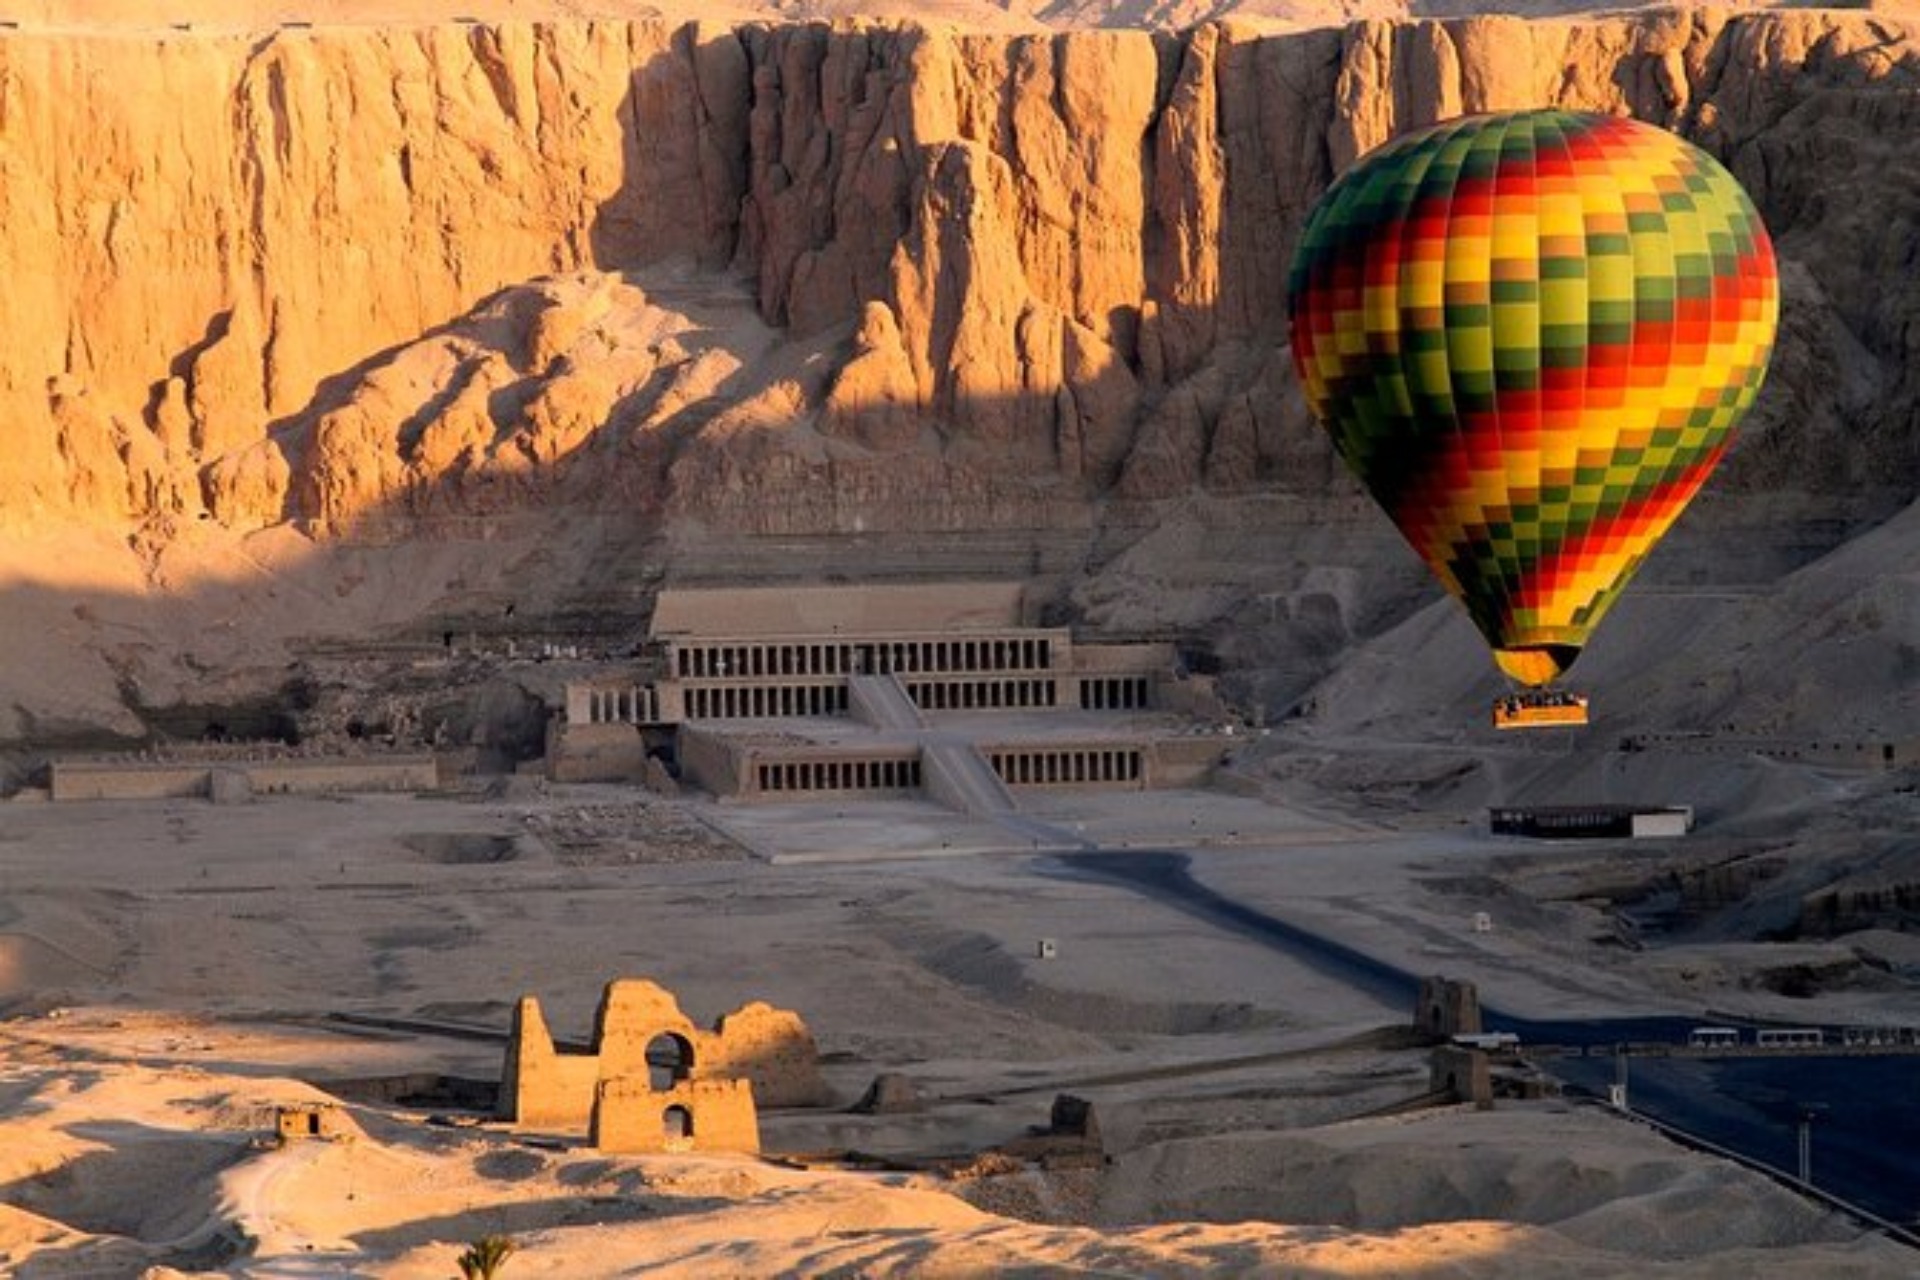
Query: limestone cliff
x,y
997,277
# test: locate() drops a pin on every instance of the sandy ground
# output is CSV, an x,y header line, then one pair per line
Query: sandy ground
x,y
169,969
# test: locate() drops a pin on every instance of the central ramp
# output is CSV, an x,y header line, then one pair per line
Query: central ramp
x,y
956,775
882,702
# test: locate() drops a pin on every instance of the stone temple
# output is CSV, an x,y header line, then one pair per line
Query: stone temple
x,y
944,691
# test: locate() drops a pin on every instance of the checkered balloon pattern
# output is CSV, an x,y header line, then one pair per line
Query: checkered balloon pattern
x,y
1530,335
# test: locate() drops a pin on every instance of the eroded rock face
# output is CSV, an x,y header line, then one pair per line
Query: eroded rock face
x,y
996,278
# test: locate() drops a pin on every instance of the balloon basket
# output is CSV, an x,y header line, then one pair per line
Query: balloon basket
x,y
1540,709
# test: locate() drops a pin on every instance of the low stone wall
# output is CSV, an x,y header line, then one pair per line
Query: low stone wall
x,y
1833,753
309,777
79,781
176,779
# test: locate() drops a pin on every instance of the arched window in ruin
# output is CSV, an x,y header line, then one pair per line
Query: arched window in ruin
x,y
669,1061
676,1124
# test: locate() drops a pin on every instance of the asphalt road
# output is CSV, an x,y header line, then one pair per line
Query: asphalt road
x,y
1866,1115
1866,1134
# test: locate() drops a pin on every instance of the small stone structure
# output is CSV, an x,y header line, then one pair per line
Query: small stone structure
x,y
631,1114
642,1039
1446,1008
303,1121
1072,1121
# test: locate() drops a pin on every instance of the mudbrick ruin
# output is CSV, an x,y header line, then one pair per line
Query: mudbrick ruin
x,y
651,1080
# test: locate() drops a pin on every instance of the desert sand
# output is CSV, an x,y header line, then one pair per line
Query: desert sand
x,y
172,972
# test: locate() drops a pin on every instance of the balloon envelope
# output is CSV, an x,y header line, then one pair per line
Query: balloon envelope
x,y
1530,336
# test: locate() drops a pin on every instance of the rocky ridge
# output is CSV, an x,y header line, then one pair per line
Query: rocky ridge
x,y
1021,273
384,331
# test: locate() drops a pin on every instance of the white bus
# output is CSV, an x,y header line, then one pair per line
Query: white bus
x,y
1713,1038
1790,1038
1491,1041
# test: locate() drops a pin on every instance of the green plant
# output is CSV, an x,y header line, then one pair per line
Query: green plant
x,y
484,1257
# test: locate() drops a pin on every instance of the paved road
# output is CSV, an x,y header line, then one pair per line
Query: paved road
x,y
1165,877
1866,1127
1866,1141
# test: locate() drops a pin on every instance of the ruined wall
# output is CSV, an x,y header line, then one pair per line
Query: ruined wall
x,y
703,1115
1040,269
540,1087
767,1050
772,1047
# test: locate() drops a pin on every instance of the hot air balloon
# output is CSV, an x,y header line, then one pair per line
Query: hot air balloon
x,y
1530,335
